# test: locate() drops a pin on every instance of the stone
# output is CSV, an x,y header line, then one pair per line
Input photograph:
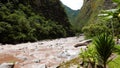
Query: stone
x,y
72,54
36,60
39,66
22,57
40,43
34,55
64,54
118,41
51,57
83,43
75,66
80,44
7,65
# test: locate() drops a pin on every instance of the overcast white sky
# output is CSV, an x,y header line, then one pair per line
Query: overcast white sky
x,y
73,4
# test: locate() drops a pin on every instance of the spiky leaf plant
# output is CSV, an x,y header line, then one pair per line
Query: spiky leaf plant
x,y
104,45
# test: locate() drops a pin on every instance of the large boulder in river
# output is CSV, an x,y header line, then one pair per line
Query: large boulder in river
x,y
83,43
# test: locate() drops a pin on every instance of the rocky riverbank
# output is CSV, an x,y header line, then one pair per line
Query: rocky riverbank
x,y
42,54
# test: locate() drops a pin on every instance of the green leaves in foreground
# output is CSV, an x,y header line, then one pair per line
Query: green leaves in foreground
x,y
104,45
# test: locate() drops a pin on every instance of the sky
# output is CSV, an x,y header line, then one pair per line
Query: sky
x,y
73,4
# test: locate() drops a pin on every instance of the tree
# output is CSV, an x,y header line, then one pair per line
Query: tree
x,y
32,20
112,19
95,29
116,24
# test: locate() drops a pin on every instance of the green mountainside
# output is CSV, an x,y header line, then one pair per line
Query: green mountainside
x,y
32,20
90,10
72,14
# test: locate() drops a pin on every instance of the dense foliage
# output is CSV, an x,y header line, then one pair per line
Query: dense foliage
x,y
88,56
22,21
109,18
95,29
98,53
90,10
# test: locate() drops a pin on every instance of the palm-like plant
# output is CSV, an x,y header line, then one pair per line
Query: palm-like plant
x,y
104,45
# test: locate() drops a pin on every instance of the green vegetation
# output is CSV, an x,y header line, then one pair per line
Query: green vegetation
x,y
72,14
90,10
103,27
95,29
116,59
29,20
104,46
101,53
106,21
115,62
88,57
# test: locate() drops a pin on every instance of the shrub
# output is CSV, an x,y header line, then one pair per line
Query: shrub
x,y
104,45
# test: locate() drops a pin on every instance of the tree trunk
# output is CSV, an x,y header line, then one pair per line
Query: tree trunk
x,y
117,40
104,65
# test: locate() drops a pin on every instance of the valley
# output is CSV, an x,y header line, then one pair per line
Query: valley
x,y
49,34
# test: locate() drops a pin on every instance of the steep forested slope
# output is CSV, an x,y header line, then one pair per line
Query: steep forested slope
x,y
32,20
71,14
90,10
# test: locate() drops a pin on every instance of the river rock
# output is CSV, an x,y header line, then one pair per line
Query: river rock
x,y
36,60
83,43
7,65
22,57
39,66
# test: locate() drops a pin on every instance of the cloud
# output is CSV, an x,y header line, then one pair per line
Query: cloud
x,y
73,4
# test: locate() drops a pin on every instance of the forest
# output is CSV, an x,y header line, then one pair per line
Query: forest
x,y
32,20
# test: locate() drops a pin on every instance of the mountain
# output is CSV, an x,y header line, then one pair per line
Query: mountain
x,y
32,20
72,14
90,10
